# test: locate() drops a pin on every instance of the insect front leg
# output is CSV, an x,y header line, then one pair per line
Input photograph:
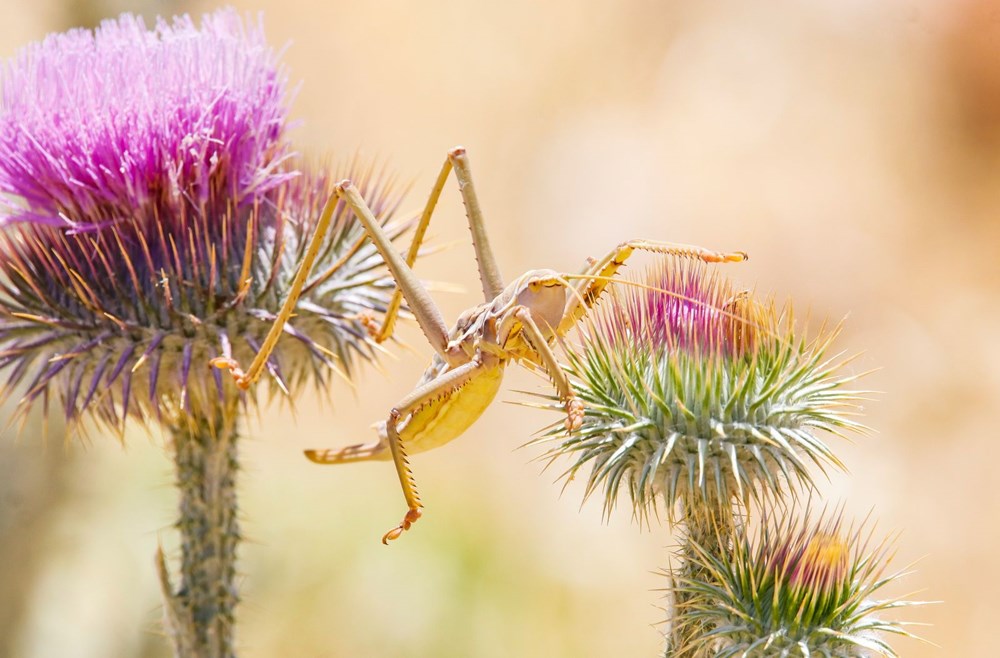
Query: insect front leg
x,y
253,373
537,341
586,293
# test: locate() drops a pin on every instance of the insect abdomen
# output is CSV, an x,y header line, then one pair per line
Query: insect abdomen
x,y
445,419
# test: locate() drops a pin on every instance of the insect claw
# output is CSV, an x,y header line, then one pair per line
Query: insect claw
x,y
574,414
233,366
411,517
367,320
392,535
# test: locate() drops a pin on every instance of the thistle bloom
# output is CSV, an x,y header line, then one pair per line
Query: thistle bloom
x,y
700,394
100,125
797,589
152,218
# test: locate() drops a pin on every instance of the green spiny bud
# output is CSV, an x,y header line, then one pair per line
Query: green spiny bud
x,y
796,589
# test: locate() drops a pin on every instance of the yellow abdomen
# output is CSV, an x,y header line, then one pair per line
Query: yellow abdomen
x,y
443,420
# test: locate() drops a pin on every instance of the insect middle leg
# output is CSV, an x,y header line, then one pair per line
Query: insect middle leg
x,y
427,398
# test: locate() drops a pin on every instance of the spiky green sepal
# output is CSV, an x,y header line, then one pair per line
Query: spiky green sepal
x,y
798,588
694,391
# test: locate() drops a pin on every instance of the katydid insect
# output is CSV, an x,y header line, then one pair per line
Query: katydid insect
x,y
518,321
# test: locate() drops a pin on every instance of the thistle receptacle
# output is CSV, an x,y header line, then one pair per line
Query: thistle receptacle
x,y
152,218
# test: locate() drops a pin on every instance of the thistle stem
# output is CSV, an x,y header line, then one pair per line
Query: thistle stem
x,y
200,613
709,523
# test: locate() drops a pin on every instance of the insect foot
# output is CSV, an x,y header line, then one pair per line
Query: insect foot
x,y
408,520
368,321
233,366
574,414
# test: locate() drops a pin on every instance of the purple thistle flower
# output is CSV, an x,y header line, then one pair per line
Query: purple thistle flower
x,y
154,220
684,306
96,127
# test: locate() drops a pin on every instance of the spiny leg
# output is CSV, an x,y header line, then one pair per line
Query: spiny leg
x,y
354,453
406,481
587,292
489,271
433,392
253,373
574,407
416,295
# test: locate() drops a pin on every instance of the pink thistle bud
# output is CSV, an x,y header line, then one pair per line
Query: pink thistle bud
x,y
699,392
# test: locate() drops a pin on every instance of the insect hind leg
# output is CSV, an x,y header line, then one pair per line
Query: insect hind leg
x,y
359,452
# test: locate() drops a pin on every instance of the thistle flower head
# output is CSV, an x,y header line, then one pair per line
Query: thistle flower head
x,y
99,125
797,589
155,218
695,390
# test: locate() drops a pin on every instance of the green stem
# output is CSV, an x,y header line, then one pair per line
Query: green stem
x,y
709,523
200,613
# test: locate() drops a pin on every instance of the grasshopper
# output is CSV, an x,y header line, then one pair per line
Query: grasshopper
x,y
518,322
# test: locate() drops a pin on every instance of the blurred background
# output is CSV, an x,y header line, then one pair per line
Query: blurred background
x,y
851,147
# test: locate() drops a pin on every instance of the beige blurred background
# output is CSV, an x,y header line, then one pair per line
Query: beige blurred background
x,y
852,147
